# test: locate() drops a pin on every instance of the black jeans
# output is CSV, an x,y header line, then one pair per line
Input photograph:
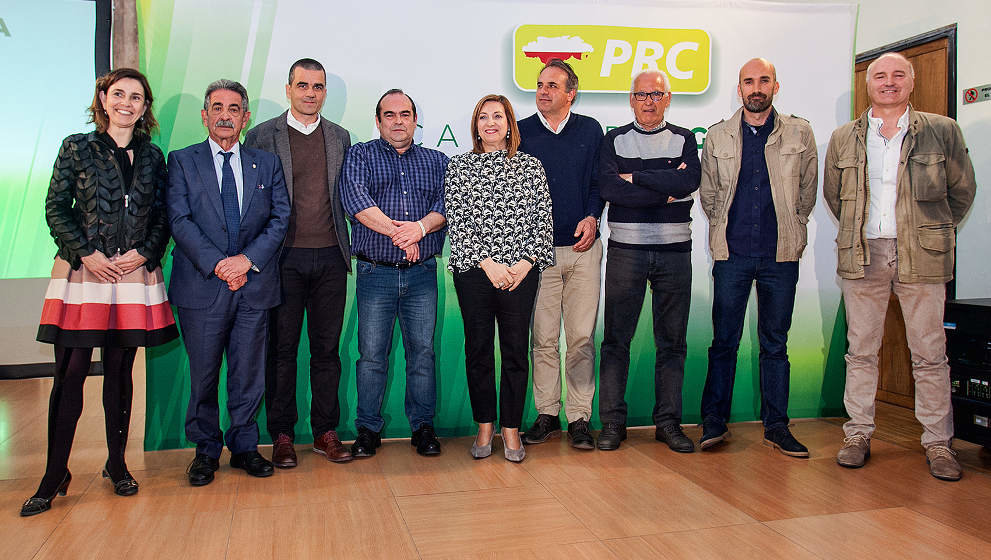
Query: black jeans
x,y
482,307
314,281
627,273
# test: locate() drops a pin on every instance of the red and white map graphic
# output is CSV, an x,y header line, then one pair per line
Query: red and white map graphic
x,y
563,47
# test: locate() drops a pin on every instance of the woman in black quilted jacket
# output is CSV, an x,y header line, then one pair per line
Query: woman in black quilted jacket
x,y
106,211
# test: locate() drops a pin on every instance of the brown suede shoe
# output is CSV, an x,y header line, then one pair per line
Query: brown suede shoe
x,y
330,445
283,453
943,463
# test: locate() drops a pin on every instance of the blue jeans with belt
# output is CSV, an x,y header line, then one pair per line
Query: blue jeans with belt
x,y
383,294
733,280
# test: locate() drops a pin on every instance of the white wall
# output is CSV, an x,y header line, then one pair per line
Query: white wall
x,y
882,22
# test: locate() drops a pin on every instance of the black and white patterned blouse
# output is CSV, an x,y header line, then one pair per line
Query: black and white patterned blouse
x,y
498,207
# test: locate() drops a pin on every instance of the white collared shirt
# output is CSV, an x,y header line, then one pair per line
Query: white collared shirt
x,y
218,166
306,129
883,156
560,125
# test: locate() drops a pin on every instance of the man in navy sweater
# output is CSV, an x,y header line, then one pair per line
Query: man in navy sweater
x,y
567,144
648,171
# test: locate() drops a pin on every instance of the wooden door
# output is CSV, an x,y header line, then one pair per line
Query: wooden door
x,y
931,60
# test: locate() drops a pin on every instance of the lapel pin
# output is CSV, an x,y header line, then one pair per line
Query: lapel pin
x,y
254,166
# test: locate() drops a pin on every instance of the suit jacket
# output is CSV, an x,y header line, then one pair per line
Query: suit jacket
x,y
196,214
273,136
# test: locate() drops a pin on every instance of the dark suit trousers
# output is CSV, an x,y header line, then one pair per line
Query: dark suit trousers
x,y
233,327
314,281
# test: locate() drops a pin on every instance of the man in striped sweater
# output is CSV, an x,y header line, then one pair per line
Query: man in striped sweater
x,y
648,171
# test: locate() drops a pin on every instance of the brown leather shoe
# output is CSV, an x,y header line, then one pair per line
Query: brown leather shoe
x,y
330,445
283,453
943,463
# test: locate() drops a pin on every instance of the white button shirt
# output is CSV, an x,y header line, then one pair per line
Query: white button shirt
x,y
883,156
560,125
305,129
218,166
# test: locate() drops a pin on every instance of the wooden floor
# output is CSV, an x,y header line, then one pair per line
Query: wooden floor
x,y
642,501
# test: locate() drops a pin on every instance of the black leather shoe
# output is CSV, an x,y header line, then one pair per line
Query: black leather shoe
x,y
366,443
579,435
713,433
781,439
125,486
610,436
544,428
425,441
35,505
253,463
676,439
200,471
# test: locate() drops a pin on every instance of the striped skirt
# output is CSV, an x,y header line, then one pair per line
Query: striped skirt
x,y
82,311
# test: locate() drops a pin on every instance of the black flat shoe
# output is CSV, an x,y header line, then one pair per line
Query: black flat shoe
x,y
34,506
126,486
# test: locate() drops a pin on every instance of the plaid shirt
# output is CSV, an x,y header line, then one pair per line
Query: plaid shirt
x,y
404,187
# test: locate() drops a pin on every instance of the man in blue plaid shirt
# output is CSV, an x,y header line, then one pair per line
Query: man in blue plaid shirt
x,y
394,192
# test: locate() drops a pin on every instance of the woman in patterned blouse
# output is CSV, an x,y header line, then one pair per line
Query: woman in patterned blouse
x,y
500,225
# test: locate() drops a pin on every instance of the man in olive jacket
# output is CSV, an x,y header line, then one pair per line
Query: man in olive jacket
x,y
899,181
759,181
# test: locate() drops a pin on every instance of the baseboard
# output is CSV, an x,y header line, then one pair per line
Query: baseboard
x,y
28,371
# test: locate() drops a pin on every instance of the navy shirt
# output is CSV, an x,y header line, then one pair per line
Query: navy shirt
x,y
405,187
752,226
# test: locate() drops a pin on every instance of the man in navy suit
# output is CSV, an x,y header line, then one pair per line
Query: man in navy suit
x,y
229,212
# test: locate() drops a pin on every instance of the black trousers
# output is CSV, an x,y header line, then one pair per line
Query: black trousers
x,y
482,307
314,281
66,405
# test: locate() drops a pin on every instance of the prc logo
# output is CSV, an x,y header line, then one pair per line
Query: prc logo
x,y
607,57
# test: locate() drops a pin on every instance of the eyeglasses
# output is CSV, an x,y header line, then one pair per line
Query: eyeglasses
x,y
654,95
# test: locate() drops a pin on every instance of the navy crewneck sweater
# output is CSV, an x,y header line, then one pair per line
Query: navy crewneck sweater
x,y
570,160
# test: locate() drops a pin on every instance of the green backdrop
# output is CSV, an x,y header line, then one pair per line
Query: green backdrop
x,y
181,52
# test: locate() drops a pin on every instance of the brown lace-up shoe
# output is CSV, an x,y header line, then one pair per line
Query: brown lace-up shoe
x,y
943,463
855,451
330,445
283,453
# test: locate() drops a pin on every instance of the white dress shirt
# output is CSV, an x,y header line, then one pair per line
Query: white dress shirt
x,y
883,156
306,129
560,125
218,166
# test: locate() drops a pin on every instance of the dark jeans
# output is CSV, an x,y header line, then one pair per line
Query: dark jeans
x,y
384,294
732,282
482,307
627,273
314,281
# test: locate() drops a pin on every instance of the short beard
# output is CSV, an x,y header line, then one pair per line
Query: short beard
x,y
758,105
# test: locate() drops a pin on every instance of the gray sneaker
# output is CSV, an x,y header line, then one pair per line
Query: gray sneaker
x,y
855,451
943,463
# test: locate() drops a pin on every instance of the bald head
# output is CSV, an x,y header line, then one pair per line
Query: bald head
x,y
760,66
891,59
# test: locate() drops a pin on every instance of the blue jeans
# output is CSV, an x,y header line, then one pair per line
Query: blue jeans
x,y
732,282
384,293
627,273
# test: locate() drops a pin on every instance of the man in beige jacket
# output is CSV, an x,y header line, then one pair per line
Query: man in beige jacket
x,y
759,181
899,181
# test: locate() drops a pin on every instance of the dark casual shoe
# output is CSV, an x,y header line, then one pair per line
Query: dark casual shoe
x,y
855,451
713,433
253,463
124,486
544,428
781,439
330,446
610,436
579,435
676,439
200,471
366,443
943,463
425,441
283,453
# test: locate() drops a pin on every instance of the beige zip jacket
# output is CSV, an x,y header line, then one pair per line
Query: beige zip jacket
x,y
935,188
792,166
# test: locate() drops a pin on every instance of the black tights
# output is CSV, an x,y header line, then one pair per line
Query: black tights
x,y
66,405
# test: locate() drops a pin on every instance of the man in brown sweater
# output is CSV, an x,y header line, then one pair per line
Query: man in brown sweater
x,y
315,262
